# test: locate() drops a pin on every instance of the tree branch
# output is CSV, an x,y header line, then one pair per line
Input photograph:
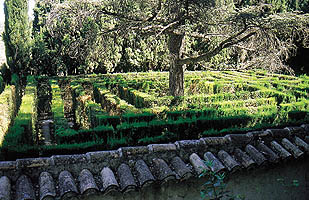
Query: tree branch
x,y
225,44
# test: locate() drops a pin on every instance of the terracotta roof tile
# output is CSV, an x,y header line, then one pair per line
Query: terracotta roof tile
x,y
268,153
126,179
279,133
24,188
67,185
198,164
243,158
215,165
255,154
69,159
231,164
162,171
292,148
47,186
87,183
7,165
182,170
109,180
131,168
302,144
5,188
34,163
144,176
284,154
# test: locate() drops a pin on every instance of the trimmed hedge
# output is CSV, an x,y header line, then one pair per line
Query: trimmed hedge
x,y
126,109
21,137
8,103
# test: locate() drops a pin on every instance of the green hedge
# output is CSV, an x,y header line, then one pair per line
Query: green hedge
x,y
8,103
21,135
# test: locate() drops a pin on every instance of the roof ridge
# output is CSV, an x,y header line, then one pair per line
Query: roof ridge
x,y
229,140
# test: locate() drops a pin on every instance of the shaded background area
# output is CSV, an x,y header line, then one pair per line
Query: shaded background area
x,y
300,61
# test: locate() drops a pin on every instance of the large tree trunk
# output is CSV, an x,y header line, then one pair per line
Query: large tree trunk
x,y
176,74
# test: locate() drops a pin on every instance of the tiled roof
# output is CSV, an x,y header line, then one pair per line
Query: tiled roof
x,y
133,168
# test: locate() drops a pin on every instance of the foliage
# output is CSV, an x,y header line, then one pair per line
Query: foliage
x,y
20,137
281,5
8,111
215,188
133,36
5,73
240,102
17,36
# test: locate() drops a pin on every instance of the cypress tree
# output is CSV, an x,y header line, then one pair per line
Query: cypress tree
x,y
17,36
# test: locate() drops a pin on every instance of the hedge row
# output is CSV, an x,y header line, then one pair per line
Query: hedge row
x,y
111,102
21,136
57,107
8,103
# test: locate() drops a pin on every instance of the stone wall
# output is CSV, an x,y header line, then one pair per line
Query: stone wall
x,y
258,184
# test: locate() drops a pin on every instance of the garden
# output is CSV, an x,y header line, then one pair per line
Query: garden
x,y
84,75
77,114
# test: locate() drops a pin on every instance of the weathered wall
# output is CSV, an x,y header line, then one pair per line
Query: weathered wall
x,y
260,184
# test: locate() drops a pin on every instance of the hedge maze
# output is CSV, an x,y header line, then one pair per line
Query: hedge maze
x,y
96,112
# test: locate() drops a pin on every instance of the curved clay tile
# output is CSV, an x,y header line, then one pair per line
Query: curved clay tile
x,y
239,140
306,128
162,171
255,154
126,179
5,188
144,175
279,133
134,151
198,164
296,130
183,171
258,134
162,147
292,148
7,165
307,139
302,144
69,159
33,163
109,180
244,159
87,184
102,156
47,186
24,189
228,161
215,166
217,141
269,154
190,145
284,154
67,185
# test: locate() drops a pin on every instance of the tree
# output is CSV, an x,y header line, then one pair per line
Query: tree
x,y
17,36
264,36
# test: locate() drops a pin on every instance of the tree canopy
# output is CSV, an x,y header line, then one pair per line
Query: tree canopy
x,y
86,36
